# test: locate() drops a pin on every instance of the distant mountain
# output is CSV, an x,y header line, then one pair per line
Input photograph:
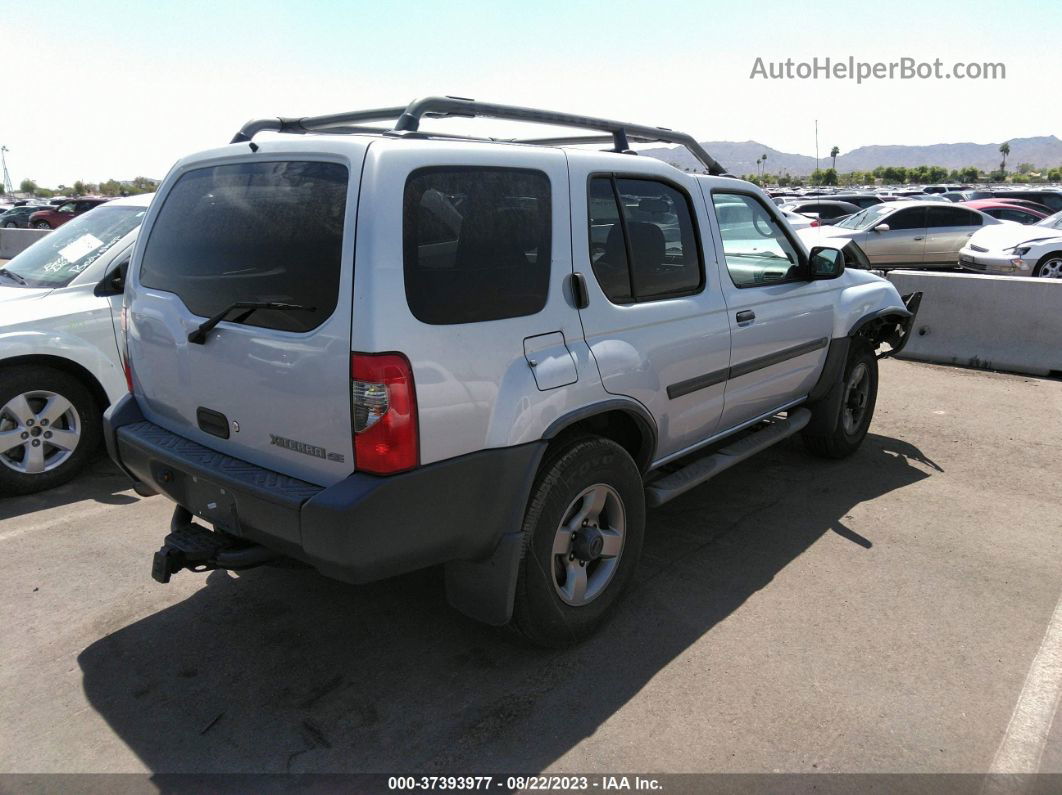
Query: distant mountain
x,y
740,158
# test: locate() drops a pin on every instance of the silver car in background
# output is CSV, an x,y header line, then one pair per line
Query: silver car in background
x,y
904,234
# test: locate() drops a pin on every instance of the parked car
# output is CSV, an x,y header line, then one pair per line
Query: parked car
x,y
1005,211
860,200
49,218
825,211
796,220
905,234
1050,197
1009,249
492,404
18,217
59,359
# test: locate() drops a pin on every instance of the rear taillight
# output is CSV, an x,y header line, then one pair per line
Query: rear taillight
x,y
127,365
384,405
815,223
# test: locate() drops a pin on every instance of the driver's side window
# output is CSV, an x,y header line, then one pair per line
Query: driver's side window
x,y
757,250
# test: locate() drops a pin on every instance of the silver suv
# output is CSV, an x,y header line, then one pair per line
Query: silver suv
x,y
376,351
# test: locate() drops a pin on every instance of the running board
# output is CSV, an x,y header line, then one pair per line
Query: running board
x,y
677,483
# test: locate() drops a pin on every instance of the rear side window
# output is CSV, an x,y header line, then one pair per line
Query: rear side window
x,y
951,216
252,232
476,243
643,244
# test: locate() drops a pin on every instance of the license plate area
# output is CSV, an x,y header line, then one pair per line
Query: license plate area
x,y
206,500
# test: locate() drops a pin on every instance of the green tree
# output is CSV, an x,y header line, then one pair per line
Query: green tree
x,y
833,156
79,188
969,174
1025,168
1004,149
28,186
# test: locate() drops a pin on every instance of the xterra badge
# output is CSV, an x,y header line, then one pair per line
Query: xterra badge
x,y
305,449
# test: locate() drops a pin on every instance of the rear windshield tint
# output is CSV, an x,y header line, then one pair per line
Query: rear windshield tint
x,y
476,243
252,232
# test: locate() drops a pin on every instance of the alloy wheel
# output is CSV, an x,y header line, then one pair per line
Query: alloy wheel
x,y
856,395
39,431
588,544
1052,269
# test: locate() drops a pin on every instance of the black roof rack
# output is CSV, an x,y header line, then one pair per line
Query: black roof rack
x,y
407,122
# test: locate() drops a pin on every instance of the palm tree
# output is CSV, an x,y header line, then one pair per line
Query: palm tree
x,y
758,166
1004,149
833,154
764,158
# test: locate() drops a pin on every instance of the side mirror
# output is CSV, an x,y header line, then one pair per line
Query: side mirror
x,y
114,282
826,263
881,228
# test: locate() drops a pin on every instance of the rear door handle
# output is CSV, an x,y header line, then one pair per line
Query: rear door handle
x,y
745,316
916,238
580,295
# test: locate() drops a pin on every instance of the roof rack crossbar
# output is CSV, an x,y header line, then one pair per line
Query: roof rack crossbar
x,y
409,117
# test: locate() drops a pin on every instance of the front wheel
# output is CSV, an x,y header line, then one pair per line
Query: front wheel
x,y
1049,267
840,434
582,539
41,225
50,425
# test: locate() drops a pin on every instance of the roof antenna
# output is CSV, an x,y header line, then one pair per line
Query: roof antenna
x,y
253,145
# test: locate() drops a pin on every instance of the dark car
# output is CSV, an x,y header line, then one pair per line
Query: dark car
x,y
1008,211
860,200
18,217
54,217
827,211
1050,198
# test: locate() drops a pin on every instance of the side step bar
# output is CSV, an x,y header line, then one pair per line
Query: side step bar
x,y
703,469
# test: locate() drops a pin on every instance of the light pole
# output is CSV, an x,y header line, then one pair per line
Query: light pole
x,y
7,186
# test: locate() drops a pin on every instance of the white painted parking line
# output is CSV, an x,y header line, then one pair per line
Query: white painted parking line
x,y
1023,744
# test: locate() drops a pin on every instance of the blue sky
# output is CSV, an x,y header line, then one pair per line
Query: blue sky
x,y
124,88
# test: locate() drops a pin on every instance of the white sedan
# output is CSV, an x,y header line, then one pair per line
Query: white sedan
x,y
1016,250
60,360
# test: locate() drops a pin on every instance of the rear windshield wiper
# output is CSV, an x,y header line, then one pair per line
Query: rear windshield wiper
x,y
200,334
14,276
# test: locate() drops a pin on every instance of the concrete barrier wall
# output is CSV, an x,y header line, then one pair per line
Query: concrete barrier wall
x,y
12,241
989,322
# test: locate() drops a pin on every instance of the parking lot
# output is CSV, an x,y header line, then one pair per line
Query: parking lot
x,y
876,614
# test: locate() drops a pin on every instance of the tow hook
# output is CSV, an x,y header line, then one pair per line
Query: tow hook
x,y
194,547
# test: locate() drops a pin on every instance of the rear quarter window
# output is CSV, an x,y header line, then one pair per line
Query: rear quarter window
x,y
262,231
476,243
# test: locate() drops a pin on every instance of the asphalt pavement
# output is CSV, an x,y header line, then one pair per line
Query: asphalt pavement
x,y
888,613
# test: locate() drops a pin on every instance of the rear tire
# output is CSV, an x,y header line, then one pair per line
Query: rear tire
x,y
1049,266
852,413
57,412
41,225
583,534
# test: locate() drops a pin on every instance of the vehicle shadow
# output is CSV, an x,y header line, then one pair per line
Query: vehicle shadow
x,y
283,670
101,481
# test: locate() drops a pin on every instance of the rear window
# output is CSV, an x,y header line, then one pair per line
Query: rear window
x,y
476,243
268,231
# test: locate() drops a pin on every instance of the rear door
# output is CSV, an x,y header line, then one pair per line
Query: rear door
x,y
948,228
903,244
656,321
270,386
